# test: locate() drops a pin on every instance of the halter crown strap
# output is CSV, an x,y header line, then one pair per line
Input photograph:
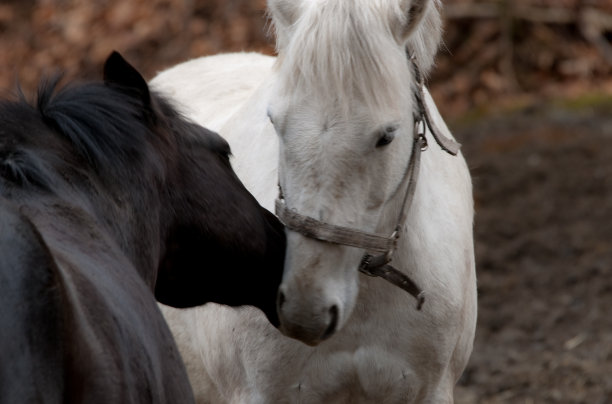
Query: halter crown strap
x,y
447,144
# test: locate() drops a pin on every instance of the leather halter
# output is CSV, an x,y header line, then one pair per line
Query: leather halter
x,y
378,265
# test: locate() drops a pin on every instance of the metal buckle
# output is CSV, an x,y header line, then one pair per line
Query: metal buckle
x,y
364,265
420,128
423,141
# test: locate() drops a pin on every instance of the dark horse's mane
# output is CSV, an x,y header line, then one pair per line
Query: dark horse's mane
x,y
91,118
96,121
94,118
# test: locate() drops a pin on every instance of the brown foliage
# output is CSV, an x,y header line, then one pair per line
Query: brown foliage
x,y
498,56
77,35
507,48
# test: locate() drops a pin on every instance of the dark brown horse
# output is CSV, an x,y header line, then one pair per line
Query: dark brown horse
x,y
109,199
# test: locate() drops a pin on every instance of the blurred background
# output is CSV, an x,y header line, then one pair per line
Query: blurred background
x,y
526,86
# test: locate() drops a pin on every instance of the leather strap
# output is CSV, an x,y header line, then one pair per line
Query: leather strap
x,y
322,231
371,266
447,144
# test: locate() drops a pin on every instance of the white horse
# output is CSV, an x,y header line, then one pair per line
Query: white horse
x,y
332,119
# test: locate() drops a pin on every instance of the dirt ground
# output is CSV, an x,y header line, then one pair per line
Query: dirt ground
x,y
542,175
543,190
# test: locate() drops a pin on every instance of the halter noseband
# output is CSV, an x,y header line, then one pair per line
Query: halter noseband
x,y
378,265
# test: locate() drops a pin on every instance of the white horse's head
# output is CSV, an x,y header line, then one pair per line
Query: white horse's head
x,y
343,107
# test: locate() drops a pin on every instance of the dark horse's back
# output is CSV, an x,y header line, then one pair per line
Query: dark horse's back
x,y
31,295
75,336
78,324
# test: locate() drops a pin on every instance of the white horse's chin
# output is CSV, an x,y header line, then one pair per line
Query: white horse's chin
x,y
302,335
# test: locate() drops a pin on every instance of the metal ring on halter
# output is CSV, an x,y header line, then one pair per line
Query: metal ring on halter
x,y
420,129
423,141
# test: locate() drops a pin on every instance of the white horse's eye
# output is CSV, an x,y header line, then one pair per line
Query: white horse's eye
x,y
386,136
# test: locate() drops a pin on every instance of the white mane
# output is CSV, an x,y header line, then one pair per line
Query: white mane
x,y
334,43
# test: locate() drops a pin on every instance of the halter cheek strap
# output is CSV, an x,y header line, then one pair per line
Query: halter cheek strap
x,y
378,265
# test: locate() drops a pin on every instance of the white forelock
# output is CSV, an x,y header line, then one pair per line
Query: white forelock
x,y
333,43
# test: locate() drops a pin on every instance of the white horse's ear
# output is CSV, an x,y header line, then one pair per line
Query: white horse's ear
x,y
414,12
421,30
284,12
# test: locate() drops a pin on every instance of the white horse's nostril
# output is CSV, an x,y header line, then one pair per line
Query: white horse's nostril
x,y
333,322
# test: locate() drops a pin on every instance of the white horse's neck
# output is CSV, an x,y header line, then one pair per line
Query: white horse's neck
x,y
229,93
255,144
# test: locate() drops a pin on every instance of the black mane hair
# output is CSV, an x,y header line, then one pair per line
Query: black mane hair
x,y
103,124
100,125
97,126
